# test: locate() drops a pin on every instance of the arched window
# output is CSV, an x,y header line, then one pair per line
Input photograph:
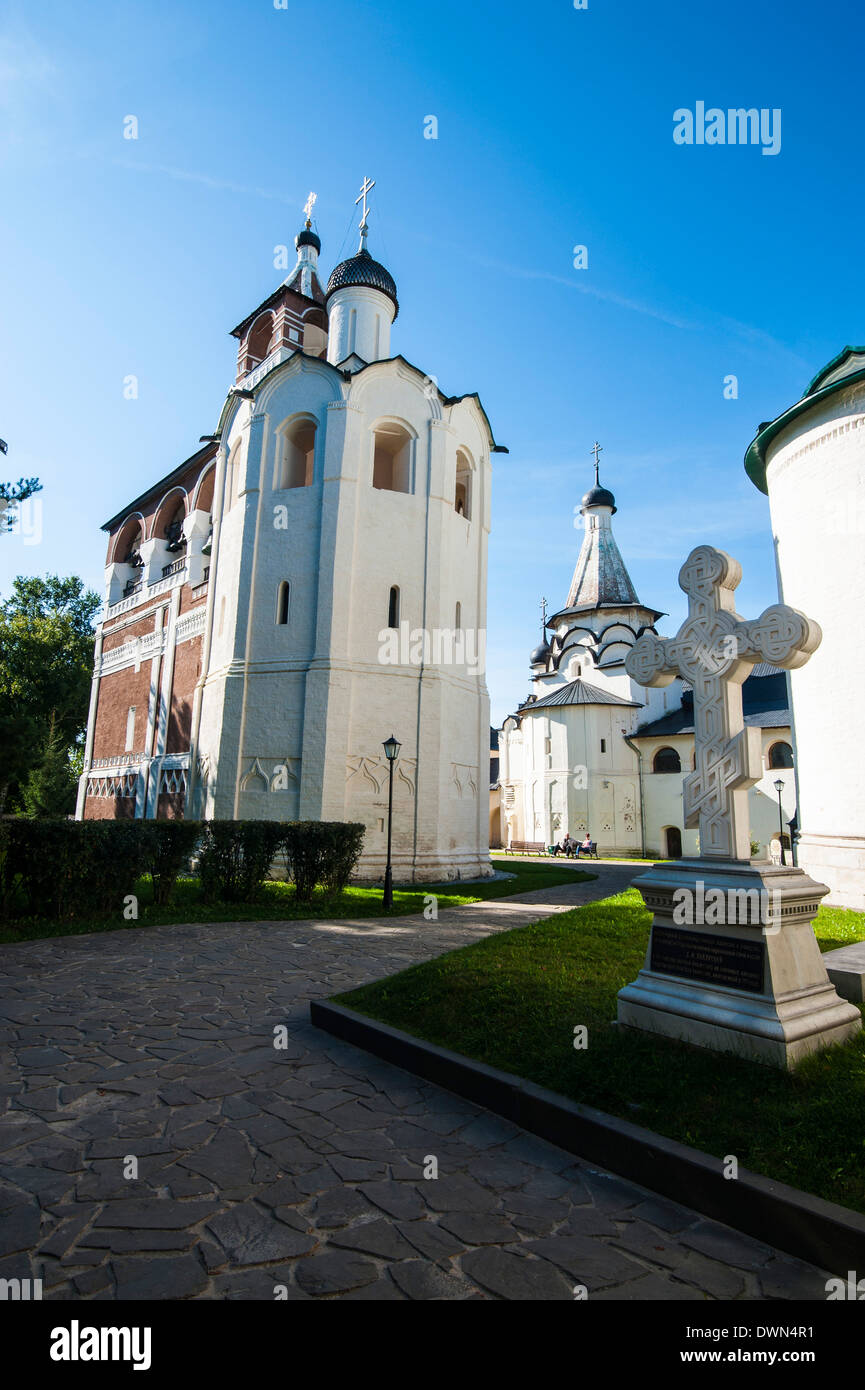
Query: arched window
x,y
780,755
393,607
666,760
128,547
463,490
315,332
392,459
204,496
458,618
296,455
172,528
283,598
259,338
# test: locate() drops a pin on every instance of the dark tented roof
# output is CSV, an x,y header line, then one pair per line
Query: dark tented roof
x,y
764,705
681,721
578,693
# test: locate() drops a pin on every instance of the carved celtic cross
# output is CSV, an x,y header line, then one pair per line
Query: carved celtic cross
x,y
714,650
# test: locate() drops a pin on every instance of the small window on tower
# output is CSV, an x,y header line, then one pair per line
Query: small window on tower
x,y
130,730
283,597
258,342
296,455
458,618
463,490
603,745
392,459
393,607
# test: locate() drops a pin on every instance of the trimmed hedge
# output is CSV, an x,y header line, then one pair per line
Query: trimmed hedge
x,y
236,856
169,845
69,868
324,852
61,869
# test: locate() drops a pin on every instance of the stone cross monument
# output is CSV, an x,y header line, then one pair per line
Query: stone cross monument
x,y
714,651
733,963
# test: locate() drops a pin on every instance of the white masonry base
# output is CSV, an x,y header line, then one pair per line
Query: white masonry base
x,y
791,1011
425,867
838,860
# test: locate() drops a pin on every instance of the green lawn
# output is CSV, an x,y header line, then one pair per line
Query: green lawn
x,y
513,1001
278,903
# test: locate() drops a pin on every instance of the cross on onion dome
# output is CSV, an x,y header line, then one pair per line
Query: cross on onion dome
x,y
713,651
366,187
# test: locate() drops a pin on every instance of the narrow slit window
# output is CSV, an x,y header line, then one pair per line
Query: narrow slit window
x,y
282,601
393,607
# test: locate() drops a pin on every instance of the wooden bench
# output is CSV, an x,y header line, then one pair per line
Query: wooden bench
x,y
526,847
590,853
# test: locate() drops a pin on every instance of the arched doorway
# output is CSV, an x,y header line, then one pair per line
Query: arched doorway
x,y
673,842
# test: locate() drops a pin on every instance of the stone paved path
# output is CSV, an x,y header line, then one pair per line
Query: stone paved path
x,y
301,1168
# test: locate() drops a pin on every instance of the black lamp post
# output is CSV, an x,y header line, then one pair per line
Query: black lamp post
x,y
391,751
779,787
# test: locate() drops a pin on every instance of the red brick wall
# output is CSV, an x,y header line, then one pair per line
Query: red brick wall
x,y
169,806
115,636
187,668
108,808
117,692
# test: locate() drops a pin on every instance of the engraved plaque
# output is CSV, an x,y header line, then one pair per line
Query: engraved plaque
x,y
712,959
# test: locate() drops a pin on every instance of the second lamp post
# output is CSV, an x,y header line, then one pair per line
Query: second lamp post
x,y
391,750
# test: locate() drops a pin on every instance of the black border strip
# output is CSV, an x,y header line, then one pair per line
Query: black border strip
x,y
810,1228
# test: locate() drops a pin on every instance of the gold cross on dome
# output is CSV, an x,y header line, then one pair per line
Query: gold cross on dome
x,y
308,206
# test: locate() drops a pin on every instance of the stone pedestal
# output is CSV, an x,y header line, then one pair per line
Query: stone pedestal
x,y
846,969
733,963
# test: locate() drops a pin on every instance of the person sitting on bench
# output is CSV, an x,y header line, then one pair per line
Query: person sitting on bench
x,y
586,846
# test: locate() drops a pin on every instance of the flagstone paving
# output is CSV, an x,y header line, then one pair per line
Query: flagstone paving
x,y
156,1144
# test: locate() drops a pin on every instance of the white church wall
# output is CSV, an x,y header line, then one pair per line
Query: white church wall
x,y
294,715
816,480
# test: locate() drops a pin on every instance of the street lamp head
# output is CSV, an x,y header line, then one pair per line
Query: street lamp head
x,y
779,785
391,748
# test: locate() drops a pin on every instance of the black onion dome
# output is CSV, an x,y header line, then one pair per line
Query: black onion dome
x,y
599,497
307,238
362,270
541,653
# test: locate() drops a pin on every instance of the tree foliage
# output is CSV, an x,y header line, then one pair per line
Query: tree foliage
x,y
11,494
46,660
49,788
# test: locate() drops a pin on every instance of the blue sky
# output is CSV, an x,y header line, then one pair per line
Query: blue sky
x,y
555,129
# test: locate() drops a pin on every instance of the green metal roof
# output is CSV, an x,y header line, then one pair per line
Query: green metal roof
x,y
755,455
